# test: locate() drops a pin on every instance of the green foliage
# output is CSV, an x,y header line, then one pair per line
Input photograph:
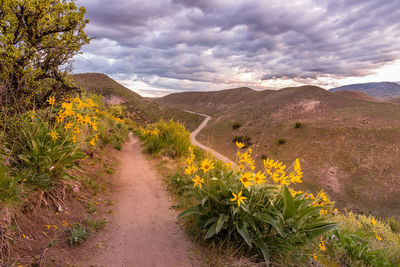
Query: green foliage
x,y
38,38
169,138
281,141
78,234
297,125
236,125
42,160
95,225
243,139
350,249
394,225
273,221
9,189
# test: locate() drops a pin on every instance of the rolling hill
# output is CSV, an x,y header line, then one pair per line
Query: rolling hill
x,y
378,90
347,145
140,109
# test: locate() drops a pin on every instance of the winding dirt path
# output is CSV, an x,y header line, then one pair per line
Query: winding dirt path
x,y
143,230
197,143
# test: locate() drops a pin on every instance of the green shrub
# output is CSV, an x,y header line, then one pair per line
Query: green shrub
x,y
281,141
95,225
236,125
242,139
394,225
78,234
169,138
297,125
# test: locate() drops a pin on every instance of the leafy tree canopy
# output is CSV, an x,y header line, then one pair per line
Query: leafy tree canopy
x,y
37,40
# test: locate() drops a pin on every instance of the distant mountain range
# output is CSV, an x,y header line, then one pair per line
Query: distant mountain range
x,y
378,90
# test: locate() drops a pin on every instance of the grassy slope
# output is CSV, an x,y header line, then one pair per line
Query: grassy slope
x,y
347,146
141,109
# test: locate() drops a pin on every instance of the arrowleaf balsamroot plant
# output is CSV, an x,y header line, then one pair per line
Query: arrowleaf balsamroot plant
x,y
237,204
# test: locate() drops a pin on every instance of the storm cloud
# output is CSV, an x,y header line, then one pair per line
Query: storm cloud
x,y
178,45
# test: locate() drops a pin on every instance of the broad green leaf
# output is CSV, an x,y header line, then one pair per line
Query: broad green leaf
x,y
242,230
264,249
211,231
209,221
318,229
190,211
288,209
221,220
268,219
304,215
203,201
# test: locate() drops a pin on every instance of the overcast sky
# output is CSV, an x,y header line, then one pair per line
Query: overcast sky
x,y
163,46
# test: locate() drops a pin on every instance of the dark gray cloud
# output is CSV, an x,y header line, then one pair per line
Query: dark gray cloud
x,y
195,44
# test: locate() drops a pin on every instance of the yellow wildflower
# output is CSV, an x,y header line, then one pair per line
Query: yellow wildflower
x,y
198,181
322,245
246,178
251,163
268,163
79,118
67,126
191,169
279,167
359,225
259,178
238,198
87,120
373,221
229,165
53,134
239,144
68,109
243,157
294,178
241,167
284,179
74,139
315,257
51,100
207,165
378,237
77,130
93,142
297,168
189,161
275,177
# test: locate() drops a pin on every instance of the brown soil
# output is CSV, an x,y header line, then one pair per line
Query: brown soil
x,y
143,230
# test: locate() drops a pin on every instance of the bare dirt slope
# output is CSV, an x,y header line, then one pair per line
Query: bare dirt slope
x,y
143,230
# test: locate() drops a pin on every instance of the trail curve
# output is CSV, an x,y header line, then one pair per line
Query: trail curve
x,y
206,148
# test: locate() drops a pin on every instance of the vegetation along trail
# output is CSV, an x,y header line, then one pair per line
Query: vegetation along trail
x,y
143,230
206,148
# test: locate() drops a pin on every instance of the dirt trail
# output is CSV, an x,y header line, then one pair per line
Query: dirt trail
x,y
196,143
143,230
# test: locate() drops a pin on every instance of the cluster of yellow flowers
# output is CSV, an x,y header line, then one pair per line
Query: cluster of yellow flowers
x,y
75,116
275,169
106,114
191,168
148,131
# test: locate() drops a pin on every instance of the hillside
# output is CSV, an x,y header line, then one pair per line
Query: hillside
x,y
378,90
356,94
347,145
140,109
